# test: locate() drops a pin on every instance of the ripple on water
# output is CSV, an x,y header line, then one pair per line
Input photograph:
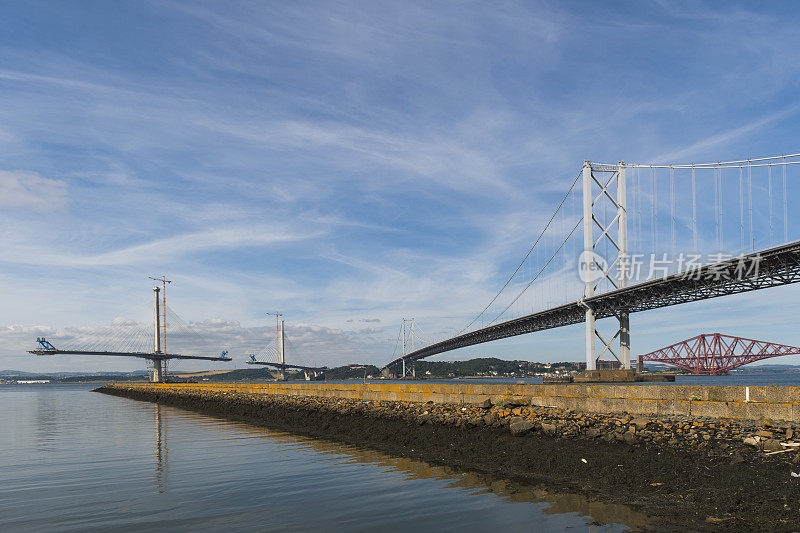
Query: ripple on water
x,y
77,461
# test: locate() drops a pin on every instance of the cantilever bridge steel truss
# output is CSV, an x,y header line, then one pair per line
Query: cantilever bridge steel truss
x,y
717,354
759,270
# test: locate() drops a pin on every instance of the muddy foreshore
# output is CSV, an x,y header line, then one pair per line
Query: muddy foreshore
x,y
686,474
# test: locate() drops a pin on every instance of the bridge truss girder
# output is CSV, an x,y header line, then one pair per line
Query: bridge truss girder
x,y
773,267
715,353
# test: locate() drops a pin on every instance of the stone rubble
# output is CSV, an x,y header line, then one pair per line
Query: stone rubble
x,y
717,436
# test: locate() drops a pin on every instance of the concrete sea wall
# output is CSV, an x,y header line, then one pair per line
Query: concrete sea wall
x,y
734,401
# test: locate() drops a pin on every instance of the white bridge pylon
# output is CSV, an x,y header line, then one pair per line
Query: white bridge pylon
x,y
604,188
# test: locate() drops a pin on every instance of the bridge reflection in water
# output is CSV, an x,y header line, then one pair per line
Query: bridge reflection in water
x,y
410,469
161,449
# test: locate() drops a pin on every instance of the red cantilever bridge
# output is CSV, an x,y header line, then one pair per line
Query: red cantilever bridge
x,y
714,353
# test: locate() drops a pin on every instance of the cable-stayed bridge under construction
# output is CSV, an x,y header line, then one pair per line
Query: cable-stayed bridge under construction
x,y
134,340
627,238
275,356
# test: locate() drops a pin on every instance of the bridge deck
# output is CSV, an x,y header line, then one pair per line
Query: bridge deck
x,y
141,355
775,266
284,365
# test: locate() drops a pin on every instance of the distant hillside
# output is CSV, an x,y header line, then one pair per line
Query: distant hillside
x,y
483,367
489,367
67,374
72,377
355,372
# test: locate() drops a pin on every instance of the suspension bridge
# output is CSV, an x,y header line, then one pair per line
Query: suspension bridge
x,y
627,238
275,357
130,339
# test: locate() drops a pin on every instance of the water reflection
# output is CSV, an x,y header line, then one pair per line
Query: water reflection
x,y
47,420
479,483
411,469
75,461
161,449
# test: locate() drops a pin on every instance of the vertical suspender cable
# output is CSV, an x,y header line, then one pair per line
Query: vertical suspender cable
x,y
572,237
639,235
672,208
546,287
653,209
769,185
741,211
563,276
750,204
694,213
537,286
632,218
716,208
721,212
564,254
574,215
785,205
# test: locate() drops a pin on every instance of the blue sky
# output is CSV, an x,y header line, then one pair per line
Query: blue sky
x,y
352,163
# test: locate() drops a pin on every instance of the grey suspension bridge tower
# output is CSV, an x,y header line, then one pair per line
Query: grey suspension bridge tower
x,y
603,188
408,342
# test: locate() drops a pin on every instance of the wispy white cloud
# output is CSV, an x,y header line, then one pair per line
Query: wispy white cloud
x,y
446,160
171,248
342,161
183,245
704,146
28,190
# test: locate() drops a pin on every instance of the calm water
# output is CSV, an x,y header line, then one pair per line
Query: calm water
x,y
74,460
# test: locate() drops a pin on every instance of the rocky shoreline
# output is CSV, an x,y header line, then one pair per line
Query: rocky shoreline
x,y
685,473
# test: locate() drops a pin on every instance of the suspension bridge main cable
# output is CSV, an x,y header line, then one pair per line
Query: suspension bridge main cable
x,y
539,238
540,270
397,342
419,334
756,162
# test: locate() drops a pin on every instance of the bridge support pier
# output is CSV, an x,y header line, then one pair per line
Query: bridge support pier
x,y
625,339
159,371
